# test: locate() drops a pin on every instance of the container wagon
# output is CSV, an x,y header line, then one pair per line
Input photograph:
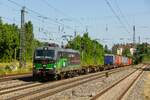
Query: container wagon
x,y
124,61
109,61
129,61
118,60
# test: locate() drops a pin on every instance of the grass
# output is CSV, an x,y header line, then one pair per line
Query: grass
x,y
146,59
13,68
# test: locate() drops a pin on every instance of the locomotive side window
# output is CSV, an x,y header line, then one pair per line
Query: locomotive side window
x,y
59,54
50,53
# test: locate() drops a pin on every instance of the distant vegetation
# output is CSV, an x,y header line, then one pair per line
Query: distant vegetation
x,y
9,48
126,52
125,49
92,52
142,53
106,50
9,41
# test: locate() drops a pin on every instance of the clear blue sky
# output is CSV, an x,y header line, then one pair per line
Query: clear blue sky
x,y
96,15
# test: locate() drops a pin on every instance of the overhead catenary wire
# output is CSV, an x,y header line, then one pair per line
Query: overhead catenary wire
x,y
59,11
118,18
10,19
13,19
68,17
47,18
31,15
5,5
122,14
40,15
15,3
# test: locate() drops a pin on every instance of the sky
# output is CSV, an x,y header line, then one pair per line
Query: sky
x,y
108,21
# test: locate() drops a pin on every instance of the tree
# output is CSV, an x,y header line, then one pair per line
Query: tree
x,y
142,53
29,37
126,52
91,51
9,41
107,51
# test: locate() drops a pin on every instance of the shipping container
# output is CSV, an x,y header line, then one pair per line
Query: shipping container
x,y
130,61
109,59
124,60
118,60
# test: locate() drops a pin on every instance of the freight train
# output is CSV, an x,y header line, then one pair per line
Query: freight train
x,y
57,63
112,61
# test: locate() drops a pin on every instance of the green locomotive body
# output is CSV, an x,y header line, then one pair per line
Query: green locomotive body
x,y
54,62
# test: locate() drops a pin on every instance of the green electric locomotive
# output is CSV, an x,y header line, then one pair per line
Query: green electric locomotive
x,y
55,62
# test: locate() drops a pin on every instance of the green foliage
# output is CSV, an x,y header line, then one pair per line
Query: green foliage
x,y
92,53
106,50
9,41
114,49
146,59
29,39
8,70
142,53
126,52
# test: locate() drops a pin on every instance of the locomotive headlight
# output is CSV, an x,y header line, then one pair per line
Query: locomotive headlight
x,y
44,65
45,48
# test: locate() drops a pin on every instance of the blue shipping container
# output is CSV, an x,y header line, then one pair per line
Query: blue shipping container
x,y
109,59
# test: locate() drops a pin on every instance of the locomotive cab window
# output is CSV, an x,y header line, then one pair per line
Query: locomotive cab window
x,y
44,54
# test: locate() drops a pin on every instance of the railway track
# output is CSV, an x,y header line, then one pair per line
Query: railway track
x,y
120,87
15,76
50,88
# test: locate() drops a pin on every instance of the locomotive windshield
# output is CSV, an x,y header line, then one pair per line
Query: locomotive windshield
x,y
44,54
